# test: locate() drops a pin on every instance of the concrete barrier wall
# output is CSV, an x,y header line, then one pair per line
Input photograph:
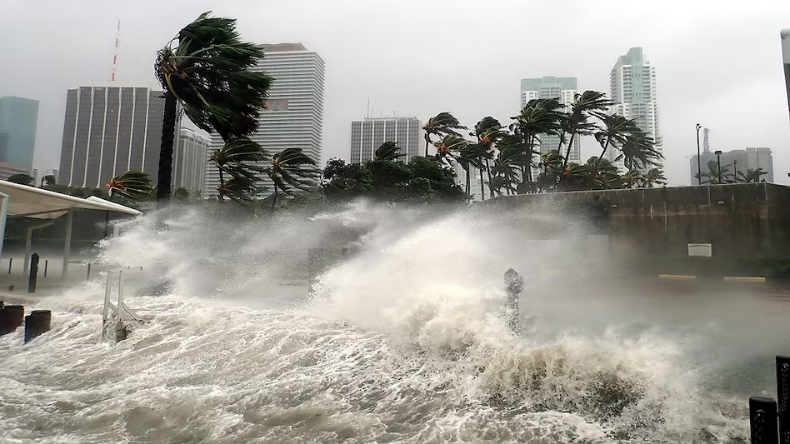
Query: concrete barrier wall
x,y
739,220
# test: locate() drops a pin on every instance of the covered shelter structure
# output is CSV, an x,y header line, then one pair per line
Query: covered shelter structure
x,y
35,203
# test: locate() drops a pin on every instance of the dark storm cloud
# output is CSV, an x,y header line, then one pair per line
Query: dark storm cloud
x,y
718,63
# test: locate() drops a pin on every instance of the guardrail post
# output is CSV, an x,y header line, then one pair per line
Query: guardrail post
x,y
783,397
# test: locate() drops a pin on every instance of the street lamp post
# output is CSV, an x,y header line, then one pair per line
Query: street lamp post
x,y
718,162
699,159
735,171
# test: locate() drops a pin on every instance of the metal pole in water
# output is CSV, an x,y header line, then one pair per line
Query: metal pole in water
x,y
762,420
10,261
31,282
88,277
46,265
783,397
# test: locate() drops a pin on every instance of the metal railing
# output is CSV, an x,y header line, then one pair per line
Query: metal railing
x,y
118,311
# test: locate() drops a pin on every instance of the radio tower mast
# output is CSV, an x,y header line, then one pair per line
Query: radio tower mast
x,y
115,55
706,143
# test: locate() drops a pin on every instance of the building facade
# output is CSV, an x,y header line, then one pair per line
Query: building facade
x,y
295,108
562,88
734,164
785,34
634,93
367,135
109,130
18,122
190,161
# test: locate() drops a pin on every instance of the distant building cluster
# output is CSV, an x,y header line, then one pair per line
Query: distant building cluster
x,y
367,135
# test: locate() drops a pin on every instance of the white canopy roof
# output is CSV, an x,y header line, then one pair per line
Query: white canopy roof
x,y
34,202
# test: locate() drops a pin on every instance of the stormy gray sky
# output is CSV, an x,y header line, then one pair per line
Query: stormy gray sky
x,y
718,63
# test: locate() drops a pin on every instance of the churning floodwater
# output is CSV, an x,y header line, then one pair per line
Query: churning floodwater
x,y
403,341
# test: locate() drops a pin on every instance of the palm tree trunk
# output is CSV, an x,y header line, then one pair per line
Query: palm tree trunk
x,y
568,152
468,184
274,201
488,172
482,186
221,184
606,147
165,174
427,142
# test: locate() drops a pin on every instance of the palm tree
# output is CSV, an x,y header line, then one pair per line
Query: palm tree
x,y
639,152
448,146
388,151
603,175
633,178
654,176
616,130
584,106
506,168
551,165
238,158
488,132
714,175
206,69
751,175
443,124
291,168
539,116
135,185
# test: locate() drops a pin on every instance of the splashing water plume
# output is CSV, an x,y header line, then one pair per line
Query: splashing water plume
x,y
402,341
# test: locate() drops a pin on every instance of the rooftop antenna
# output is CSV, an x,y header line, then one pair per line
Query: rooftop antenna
x,y
367,113
705,144
115,54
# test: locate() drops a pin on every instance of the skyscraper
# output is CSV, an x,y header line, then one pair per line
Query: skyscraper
x,y
367,135
633,91
785,34
189,161
734,164
18,121
294,118
109,130
562,88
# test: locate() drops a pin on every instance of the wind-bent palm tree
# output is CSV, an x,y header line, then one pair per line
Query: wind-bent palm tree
x,y
506,168
539,116
751,175
135,185
488,132
584,106
291,168
616,130
639,152
388,151
633,178
443,124
237,189
654,176
448,146
551,166
603,175
239,158
206,69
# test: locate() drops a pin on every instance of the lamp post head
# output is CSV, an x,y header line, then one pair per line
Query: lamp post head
x,y
718,153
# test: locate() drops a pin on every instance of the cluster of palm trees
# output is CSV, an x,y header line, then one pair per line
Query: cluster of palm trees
x,y
721,174
513,159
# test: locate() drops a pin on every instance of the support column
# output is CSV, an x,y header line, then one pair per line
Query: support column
x,y
67,247
3,219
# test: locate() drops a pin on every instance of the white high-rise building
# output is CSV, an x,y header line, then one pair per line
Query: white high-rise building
x,y
295,108
785,35
633,91
189,161
368,135
562,88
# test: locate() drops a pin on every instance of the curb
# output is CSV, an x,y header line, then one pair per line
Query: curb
x,y
676,277
687,277
743,279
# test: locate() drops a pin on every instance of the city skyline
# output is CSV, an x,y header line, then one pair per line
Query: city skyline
x,y
294,114
108,130
402,78
633,89
368,134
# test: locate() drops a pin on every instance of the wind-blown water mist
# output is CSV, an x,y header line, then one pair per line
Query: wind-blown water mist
x,y
404,341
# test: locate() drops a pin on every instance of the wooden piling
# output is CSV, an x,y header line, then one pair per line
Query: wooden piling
x,y
763,421
37,323
11,318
